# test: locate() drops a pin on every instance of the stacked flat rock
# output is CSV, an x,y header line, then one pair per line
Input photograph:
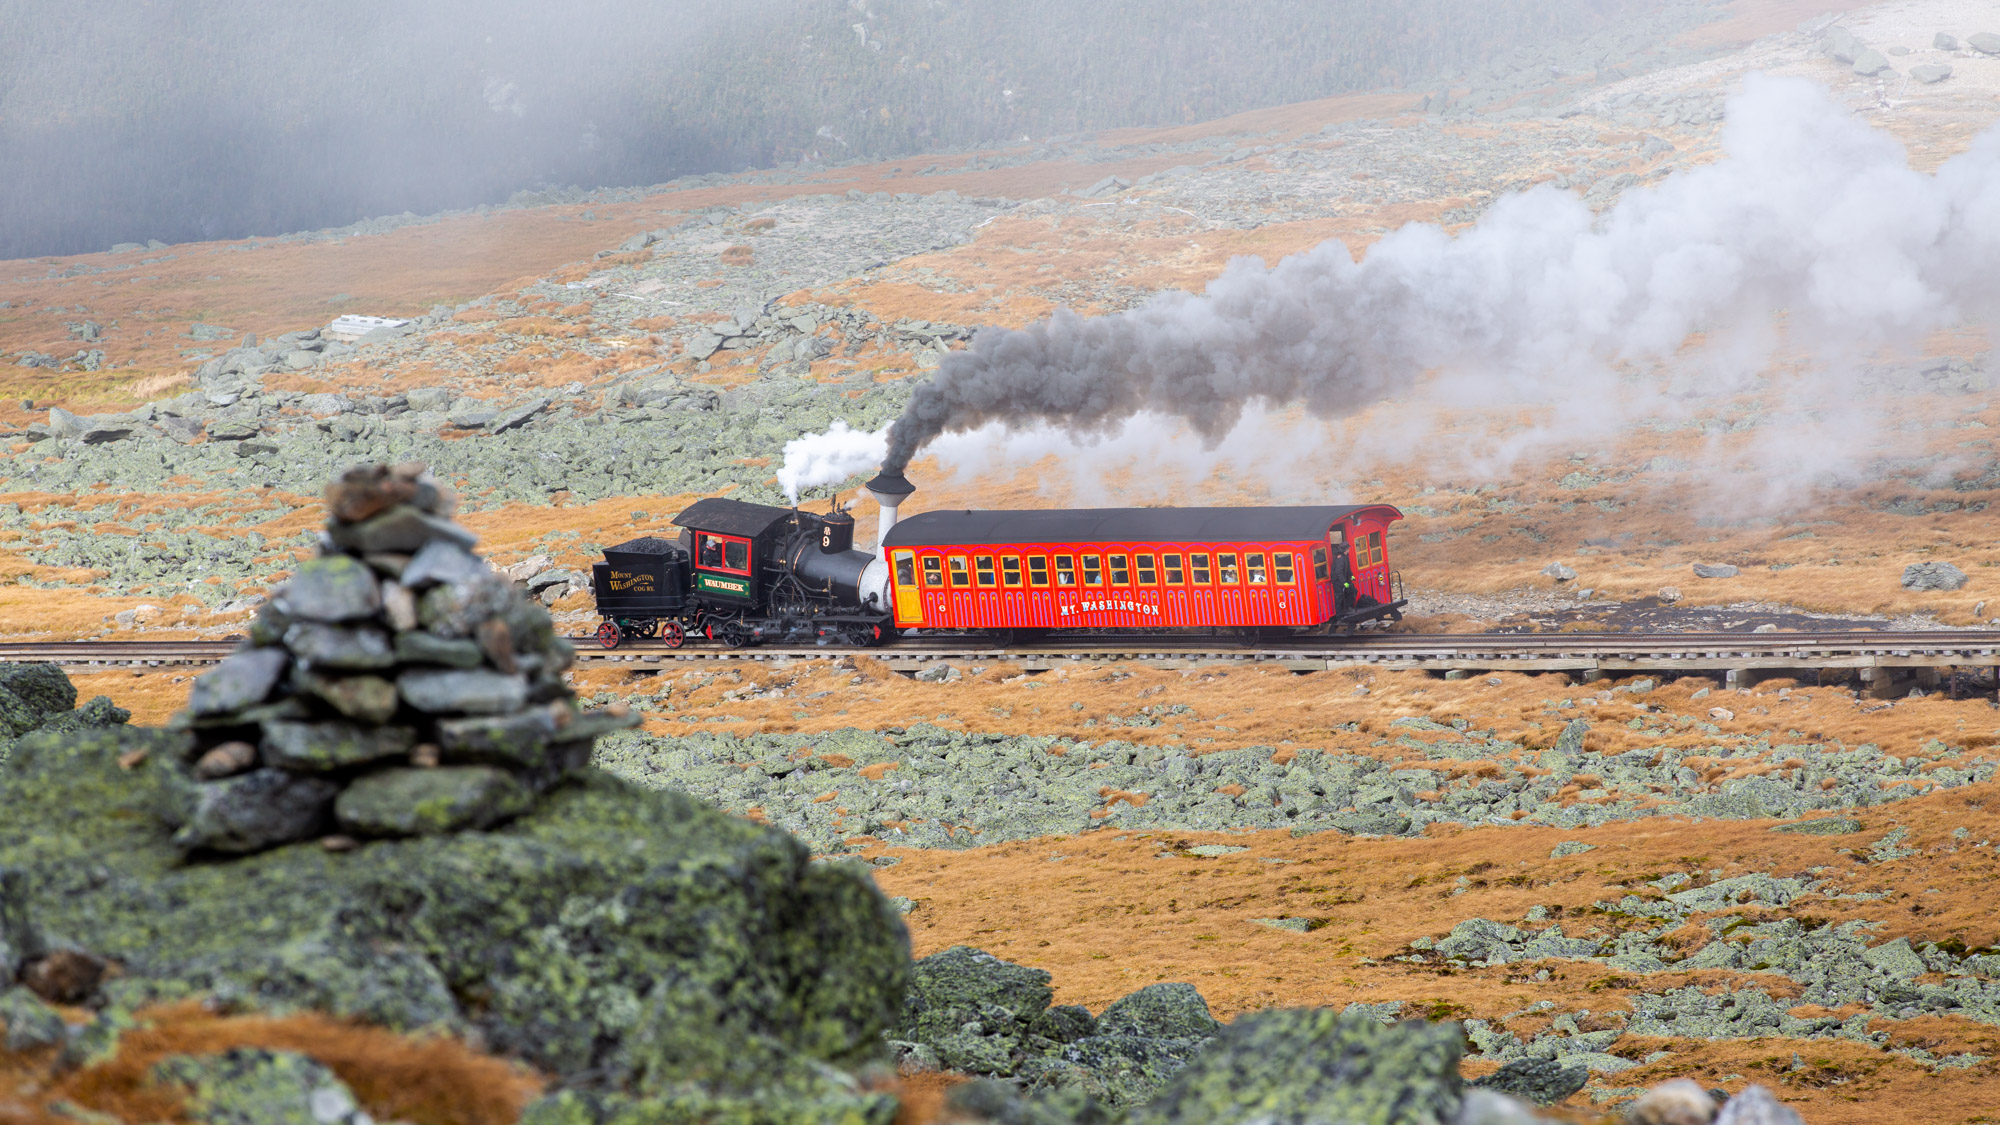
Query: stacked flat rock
x,y
395,686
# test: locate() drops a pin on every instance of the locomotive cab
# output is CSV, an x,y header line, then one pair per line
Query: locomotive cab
x,y
764,573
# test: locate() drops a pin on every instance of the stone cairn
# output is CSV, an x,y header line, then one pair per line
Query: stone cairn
x,y
395,686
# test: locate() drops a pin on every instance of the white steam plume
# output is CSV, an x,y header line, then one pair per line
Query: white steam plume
x,y
1810,213
829,458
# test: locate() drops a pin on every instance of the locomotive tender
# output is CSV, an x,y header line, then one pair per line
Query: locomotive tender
x,y
743,573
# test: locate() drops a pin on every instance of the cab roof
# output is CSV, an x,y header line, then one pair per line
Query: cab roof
x,y
731,517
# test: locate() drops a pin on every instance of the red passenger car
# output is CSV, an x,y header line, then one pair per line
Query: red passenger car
x,y
1306,569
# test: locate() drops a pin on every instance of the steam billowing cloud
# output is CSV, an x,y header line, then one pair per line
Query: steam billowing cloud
x,y
1810,213
829,458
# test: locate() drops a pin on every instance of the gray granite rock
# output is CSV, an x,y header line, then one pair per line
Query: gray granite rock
x,y
335,647
1541,1081
257,810
1933,576
429,802
331,588
326,746
442,561
1757,1106
363,698
402,529
517,740
1868,61
243,678
31,1025
1169,1010
257,1086
1308,1064
462,691
420,647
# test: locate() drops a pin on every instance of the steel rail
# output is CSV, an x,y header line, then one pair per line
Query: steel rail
x,y
1739,653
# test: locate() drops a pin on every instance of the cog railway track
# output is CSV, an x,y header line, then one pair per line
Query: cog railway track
x,y
1876,656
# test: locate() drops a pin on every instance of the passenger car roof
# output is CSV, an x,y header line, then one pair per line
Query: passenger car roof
x,y
1127,525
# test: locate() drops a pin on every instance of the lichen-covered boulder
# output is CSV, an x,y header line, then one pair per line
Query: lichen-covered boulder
x,y
1004,1103
1541,1081
971,1012
31,694
972,1009
1170,1010
1312,1065
1933,576
28,1023
645,948
253,1086
1119,1069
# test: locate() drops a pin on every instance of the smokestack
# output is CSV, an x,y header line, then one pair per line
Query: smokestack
x,y
889,488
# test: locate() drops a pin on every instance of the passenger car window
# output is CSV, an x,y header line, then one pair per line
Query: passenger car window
x,y
1010,570
1225,566
961,575
984,566
933,571
1175,576
1144,565
1199,564
1281,564
1065,570
1319,564
1374,548
1038,570
1121,575
906,568
1093,571
1254,564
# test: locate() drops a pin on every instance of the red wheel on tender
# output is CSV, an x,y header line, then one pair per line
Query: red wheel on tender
x,y
672,634
607,634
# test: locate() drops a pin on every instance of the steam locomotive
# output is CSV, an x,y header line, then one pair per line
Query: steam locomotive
x,y
742,574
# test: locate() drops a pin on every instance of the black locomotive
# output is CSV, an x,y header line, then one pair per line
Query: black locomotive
x,y
743,574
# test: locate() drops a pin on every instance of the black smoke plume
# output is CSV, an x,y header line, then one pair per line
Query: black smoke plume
x,y
1811,213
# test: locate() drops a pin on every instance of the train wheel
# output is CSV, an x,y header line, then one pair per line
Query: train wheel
x,y
672,634
607,634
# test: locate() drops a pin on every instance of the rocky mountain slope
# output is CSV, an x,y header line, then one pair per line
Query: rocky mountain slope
x,y
1641,880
